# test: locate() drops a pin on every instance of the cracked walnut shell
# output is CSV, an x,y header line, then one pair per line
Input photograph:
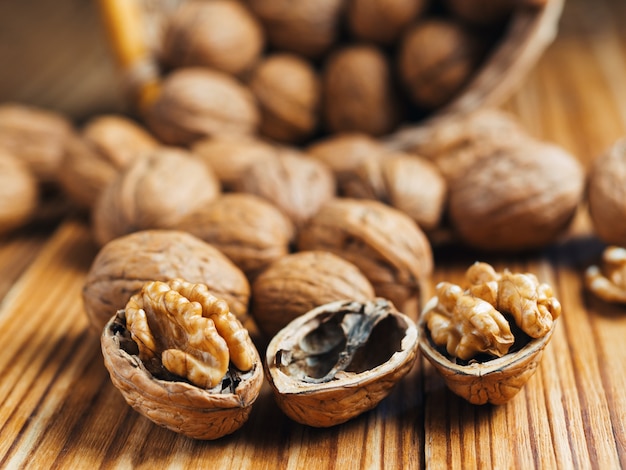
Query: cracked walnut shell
x,y
181,359
487,340
340,360
123,265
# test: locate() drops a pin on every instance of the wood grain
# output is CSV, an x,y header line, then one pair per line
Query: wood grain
x,y
58,408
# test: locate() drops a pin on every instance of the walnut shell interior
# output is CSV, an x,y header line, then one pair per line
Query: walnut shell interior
x,y
340,360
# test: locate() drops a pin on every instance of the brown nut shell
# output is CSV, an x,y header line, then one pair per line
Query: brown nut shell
x,y
384,243
297,283
221,34
249,230
154,192
382,21
311,381
123,265
18,193
177,405
495,381
199,102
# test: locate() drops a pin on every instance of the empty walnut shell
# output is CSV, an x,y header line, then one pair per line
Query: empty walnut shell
x,y
173,403
495,381
340,360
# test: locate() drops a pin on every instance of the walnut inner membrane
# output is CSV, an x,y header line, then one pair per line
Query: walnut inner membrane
x,y
354,339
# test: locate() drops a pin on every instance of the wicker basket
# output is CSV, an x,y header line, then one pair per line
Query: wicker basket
x,y
135,27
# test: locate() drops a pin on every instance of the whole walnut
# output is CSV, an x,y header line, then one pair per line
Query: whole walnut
x,y
249,230
343,153
407,182
220,34
229,156
156,191
195,102
123,265
294,182
287,90
382,21
607,201
297,283
437,58
35,135
516,196
106,145
359,92
18,192
305,27
384,243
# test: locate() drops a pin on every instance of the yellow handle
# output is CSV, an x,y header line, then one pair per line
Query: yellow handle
x,y
123,24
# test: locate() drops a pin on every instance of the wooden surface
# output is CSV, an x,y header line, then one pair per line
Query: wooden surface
x,y
58,408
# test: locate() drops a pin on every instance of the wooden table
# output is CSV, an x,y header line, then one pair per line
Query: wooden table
x,y
58,408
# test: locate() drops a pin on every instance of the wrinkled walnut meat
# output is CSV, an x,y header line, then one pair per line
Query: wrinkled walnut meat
x,y
474,321
181,359
192,332
469,338
340,360
608,281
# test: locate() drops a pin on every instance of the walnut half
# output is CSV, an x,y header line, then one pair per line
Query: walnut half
x,y
181,359
486,340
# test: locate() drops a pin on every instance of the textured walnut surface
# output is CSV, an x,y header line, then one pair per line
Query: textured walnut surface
x,y
385,244
123,265
156,191
382,21
295,284
246,228
340,360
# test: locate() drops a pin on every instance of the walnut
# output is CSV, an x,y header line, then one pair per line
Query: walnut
x,y
229,156
382,21
384,243
221,34
287,90
123,265
297,283
106,145
437,58
181,359
409,183
294,182
606,195
343,153
35,135
155,191
339,360
306,27
466,333
247,229
516,197
18,193
194,102
359,93
608,281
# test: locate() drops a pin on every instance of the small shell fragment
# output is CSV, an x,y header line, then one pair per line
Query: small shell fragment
x,y
340,360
